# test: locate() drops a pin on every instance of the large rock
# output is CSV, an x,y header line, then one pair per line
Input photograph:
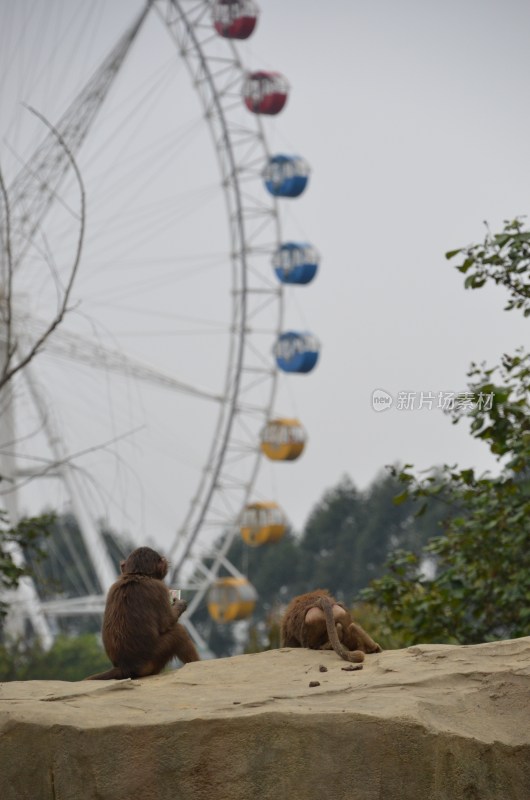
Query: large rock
x,y
433,722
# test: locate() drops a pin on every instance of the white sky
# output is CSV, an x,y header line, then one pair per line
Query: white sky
x,y
414,118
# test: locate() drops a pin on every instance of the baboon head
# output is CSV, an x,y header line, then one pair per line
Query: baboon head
x,y
145,561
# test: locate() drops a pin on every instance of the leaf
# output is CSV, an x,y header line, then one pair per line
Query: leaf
x,y
401,498
502,238
468,476
466,264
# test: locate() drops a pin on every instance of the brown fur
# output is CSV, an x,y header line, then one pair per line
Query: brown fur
x,y
141,632
316,620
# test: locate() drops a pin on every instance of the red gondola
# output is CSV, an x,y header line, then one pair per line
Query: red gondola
x,y
235,19
265,92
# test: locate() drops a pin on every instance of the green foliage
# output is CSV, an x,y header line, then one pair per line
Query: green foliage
x,y
372,620
28,535
332,540
70,659
350,533
503,258
505,428
479,586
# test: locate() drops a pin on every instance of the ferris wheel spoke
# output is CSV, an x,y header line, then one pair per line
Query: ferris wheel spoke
x,y
37,184
249,387
81,351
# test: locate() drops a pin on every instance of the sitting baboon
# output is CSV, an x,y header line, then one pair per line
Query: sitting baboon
x,y
141,632
316,620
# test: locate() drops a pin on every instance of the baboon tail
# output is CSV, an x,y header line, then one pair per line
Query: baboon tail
x,y
348,655
111,674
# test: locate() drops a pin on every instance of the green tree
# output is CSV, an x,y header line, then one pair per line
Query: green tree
x,y
70,659
329,542
350,534
27,536
480,589
502,258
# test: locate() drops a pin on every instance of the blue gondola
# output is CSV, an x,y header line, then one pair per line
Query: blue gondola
x,y
296,262
286,176
296,352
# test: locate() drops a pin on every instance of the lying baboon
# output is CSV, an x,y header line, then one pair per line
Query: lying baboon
x,y
141,632
316,620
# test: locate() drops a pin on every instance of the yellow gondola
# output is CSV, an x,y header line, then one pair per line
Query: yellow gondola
x,y
283,439
230,599
262,523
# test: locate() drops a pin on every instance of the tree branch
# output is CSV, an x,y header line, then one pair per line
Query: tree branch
x,y
8,300
10,370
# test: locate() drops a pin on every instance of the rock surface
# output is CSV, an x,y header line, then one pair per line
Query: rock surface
x,y
433,722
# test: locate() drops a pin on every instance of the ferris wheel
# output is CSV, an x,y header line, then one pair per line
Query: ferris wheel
x,y
220,408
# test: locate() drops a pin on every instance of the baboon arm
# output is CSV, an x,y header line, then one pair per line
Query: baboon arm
x,y
178,608
164,612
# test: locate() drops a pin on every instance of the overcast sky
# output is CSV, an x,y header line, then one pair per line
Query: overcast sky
x,y
414,118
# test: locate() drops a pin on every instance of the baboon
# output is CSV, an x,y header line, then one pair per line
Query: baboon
x,y
316,620
141,632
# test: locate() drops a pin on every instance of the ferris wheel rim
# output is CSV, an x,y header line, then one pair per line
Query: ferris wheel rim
x,y
239,254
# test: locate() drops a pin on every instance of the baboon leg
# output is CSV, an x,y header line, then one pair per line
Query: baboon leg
x,y
149,668
187,651
111,674
177,642
362,640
